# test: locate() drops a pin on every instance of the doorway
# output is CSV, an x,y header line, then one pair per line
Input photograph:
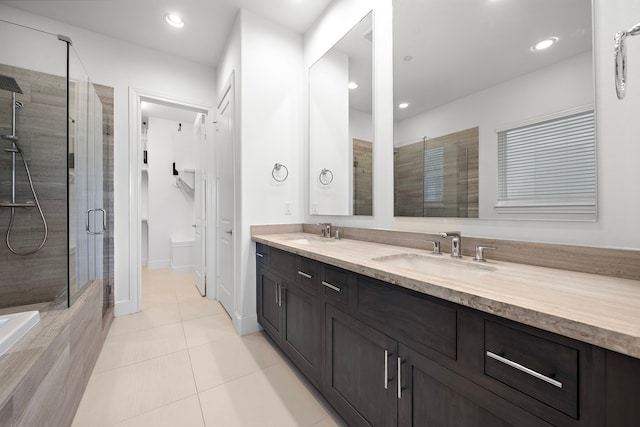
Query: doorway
x,y
168,197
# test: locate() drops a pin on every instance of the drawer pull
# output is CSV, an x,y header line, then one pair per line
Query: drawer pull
x,y
387,355
524,369
400,388
303,274
330,286
258,254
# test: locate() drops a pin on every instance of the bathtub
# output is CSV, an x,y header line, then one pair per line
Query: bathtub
x,y
14,326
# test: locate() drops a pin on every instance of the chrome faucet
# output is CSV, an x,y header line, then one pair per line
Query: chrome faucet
x,y
436,247
325,231
456,242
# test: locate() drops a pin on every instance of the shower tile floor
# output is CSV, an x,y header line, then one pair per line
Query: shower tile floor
x,y
179,362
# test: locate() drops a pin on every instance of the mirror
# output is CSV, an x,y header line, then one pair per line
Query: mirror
x,y
341,126
467,69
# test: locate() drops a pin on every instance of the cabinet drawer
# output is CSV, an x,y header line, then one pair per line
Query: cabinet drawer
x,y
284,263
540,368
308,272
262,255
335,284
416,320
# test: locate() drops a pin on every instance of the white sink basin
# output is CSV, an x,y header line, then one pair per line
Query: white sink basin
x,y
443,266
310,239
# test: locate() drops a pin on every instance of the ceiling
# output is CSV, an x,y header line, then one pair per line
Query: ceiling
x,y
207,22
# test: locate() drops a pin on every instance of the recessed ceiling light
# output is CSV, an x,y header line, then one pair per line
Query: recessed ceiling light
x,y
403,105
544,44
352,85
174,20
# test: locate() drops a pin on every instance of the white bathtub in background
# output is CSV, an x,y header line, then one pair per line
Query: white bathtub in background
x,y
14,326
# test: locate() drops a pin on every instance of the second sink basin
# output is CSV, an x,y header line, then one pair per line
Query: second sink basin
x,y
442,266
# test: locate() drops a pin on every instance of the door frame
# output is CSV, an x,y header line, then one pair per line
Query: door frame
x,y
132,303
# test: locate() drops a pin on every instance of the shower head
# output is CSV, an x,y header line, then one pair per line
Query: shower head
x,y
10,84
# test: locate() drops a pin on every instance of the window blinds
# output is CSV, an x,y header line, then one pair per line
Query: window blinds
x,y
434,175
550,164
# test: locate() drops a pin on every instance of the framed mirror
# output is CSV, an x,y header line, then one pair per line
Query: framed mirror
x,y
468,73
341,126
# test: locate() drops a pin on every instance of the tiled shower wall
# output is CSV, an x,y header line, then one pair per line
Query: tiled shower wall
x,y
41,127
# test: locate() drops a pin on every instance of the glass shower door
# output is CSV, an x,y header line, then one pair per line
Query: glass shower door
x,y
87,219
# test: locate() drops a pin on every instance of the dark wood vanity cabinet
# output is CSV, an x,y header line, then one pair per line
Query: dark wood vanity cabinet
x,y
288,307
384,355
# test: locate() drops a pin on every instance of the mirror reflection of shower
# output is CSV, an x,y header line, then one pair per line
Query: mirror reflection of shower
x,y
10,84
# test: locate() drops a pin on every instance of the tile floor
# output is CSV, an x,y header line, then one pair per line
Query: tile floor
x,y
179,363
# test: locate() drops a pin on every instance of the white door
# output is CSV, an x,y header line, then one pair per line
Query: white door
x,y
225,266
200,204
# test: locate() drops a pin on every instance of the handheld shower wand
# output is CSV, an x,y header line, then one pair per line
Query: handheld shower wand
x,y
10,84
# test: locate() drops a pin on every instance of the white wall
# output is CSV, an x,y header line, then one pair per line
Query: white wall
x,y
171,207
121,65
360,126
559,87
268,116
617,124
329,127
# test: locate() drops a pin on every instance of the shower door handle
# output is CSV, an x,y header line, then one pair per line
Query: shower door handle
x,y
104,221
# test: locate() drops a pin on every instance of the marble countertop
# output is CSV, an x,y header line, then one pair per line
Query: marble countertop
x,y
599,310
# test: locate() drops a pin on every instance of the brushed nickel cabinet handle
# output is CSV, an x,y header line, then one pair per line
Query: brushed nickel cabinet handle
x,y
303,274
524,369
258,254
277,291
330,286
386,369
399,377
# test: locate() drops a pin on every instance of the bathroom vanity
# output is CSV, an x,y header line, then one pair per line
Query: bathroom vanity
x,y
397,336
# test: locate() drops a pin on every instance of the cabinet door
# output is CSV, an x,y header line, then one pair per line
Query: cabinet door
x,y
269,302
432,395
359,367
301,330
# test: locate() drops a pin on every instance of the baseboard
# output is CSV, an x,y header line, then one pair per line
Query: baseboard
x,y
246,325
183,269
122,308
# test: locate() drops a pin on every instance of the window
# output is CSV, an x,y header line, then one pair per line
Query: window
x,y
434,176
549,167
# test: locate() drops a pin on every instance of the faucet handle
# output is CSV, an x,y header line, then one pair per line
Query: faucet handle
x,y
450,234
480,253
436,247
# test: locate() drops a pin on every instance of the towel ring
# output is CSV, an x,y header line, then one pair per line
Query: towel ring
x,y
620,64
277,168
326,176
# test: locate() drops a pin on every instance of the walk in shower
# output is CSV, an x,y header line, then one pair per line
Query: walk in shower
x,y
56,151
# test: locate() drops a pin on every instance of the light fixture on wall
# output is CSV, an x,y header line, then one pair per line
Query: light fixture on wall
x,y
544,44
352,85
174,20
403,105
